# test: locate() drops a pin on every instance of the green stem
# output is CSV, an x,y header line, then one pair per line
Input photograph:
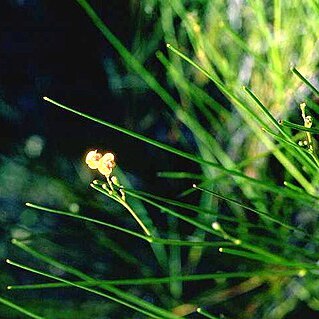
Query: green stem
x,y
147,232
298,127
150,239
120,200
70,283
49,260
130,299
248,255
253,116
314,165
279,260
165,280
206,314
19,309
303,79
160,145
59,212
299,154
263,214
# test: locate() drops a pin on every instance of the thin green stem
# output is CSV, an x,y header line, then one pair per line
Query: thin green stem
x,y
59,212
155,143
292,186
315,164
279,260
167,148
49,260
269,186
263,214
80,286
176,242
113,195
297,151
149,239
19,309
128,297
298,127
128,207
303,79
164,280
254,117
263,109
249,255
206,314
195,208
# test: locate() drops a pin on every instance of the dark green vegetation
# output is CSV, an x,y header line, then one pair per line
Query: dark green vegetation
x,y
242,242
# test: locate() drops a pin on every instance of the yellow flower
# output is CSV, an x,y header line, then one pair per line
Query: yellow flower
x,y
93,158
106,164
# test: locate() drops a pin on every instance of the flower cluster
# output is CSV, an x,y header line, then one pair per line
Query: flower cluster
x,y
104,163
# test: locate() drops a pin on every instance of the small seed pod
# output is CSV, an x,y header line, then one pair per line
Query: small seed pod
x,y
308,121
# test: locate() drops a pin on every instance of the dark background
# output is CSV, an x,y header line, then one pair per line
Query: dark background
x,y
51,48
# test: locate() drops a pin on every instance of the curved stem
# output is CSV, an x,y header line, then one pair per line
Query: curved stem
x,y
139,221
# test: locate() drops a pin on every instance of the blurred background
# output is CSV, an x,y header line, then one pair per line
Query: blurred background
x,y
51,48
